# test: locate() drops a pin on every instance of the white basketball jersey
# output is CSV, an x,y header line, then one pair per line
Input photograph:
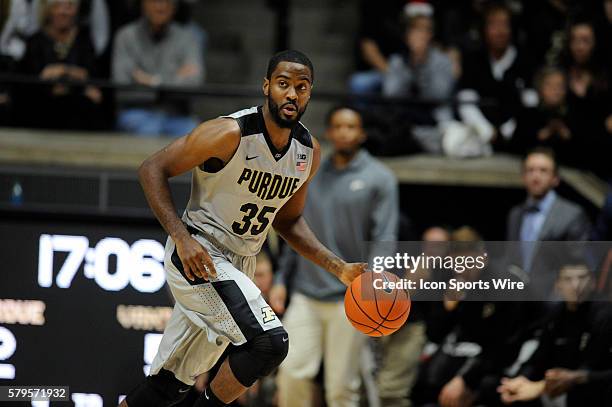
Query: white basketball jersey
x,y
237,204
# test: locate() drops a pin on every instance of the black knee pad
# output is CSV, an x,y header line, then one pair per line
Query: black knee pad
x,y
259,356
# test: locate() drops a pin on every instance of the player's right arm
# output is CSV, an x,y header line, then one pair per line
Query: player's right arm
x,y
218,138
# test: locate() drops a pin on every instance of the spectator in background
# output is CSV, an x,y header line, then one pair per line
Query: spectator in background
x,y
417,70
24,20
587,75
380,36
399,353
472,333
574,355
549,123
60,50
352,199
151,52
544,216
495,74
421,72
588,96
575,135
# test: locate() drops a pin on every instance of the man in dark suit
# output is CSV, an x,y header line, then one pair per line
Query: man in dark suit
x,y
544,216
574,355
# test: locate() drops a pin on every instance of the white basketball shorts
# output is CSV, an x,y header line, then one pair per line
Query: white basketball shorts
x,y
207,316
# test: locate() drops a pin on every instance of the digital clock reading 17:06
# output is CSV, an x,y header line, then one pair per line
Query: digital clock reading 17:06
x,y
138,265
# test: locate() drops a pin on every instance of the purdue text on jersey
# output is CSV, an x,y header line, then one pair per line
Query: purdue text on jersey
x,y
267,185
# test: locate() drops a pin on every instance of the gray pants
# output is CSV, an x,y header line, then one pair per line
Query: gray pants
x,y
400,359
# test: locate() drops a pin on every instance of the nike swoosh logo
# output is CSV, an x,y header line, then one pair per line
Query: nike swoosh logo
x,y
285,339
251,158
206,395
183,390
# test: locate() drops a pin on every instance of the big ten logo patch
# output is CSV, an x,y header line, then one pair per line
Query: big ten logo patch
x,y
268,314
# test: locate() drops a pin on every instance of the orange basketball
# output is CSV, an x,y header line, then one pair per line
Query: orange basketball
x,y
376,311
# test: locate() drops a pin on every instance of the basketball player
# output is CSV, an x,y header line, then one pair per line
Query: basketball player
x,y
250,172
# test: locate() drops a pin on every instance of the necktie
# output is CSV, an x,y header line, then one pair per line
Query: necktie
x,y
529,235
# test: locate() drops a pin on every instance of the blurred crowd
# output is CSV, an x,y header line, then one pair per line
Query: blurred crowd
x,y
464,78
524,74
149,43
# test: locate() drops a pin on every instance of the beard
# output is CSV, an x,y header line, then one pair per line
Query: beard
x,y
278,119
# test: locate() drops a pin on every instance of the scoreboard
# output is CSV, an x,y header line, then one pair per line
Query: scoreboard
x,y
82,304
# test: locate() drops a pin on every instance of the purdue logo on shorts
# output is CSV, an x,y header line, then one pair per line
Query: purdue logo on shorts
x,y
268,314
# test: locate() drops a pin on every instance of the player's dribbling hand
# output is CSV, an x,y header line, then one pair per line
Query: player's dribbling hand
x,y
350,271
195,259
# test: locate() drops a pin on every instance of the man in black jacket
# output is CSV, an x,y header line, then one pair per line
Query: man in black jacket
x,y
495,73
474,335
574,356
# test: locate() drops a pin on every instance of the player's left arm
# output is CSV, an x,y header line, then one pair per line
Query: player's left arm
x,y
292,227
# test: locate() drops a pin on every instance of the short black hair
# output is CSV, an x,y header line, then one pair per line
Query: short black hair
x,y
496,7
330,114
546,151
289,55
